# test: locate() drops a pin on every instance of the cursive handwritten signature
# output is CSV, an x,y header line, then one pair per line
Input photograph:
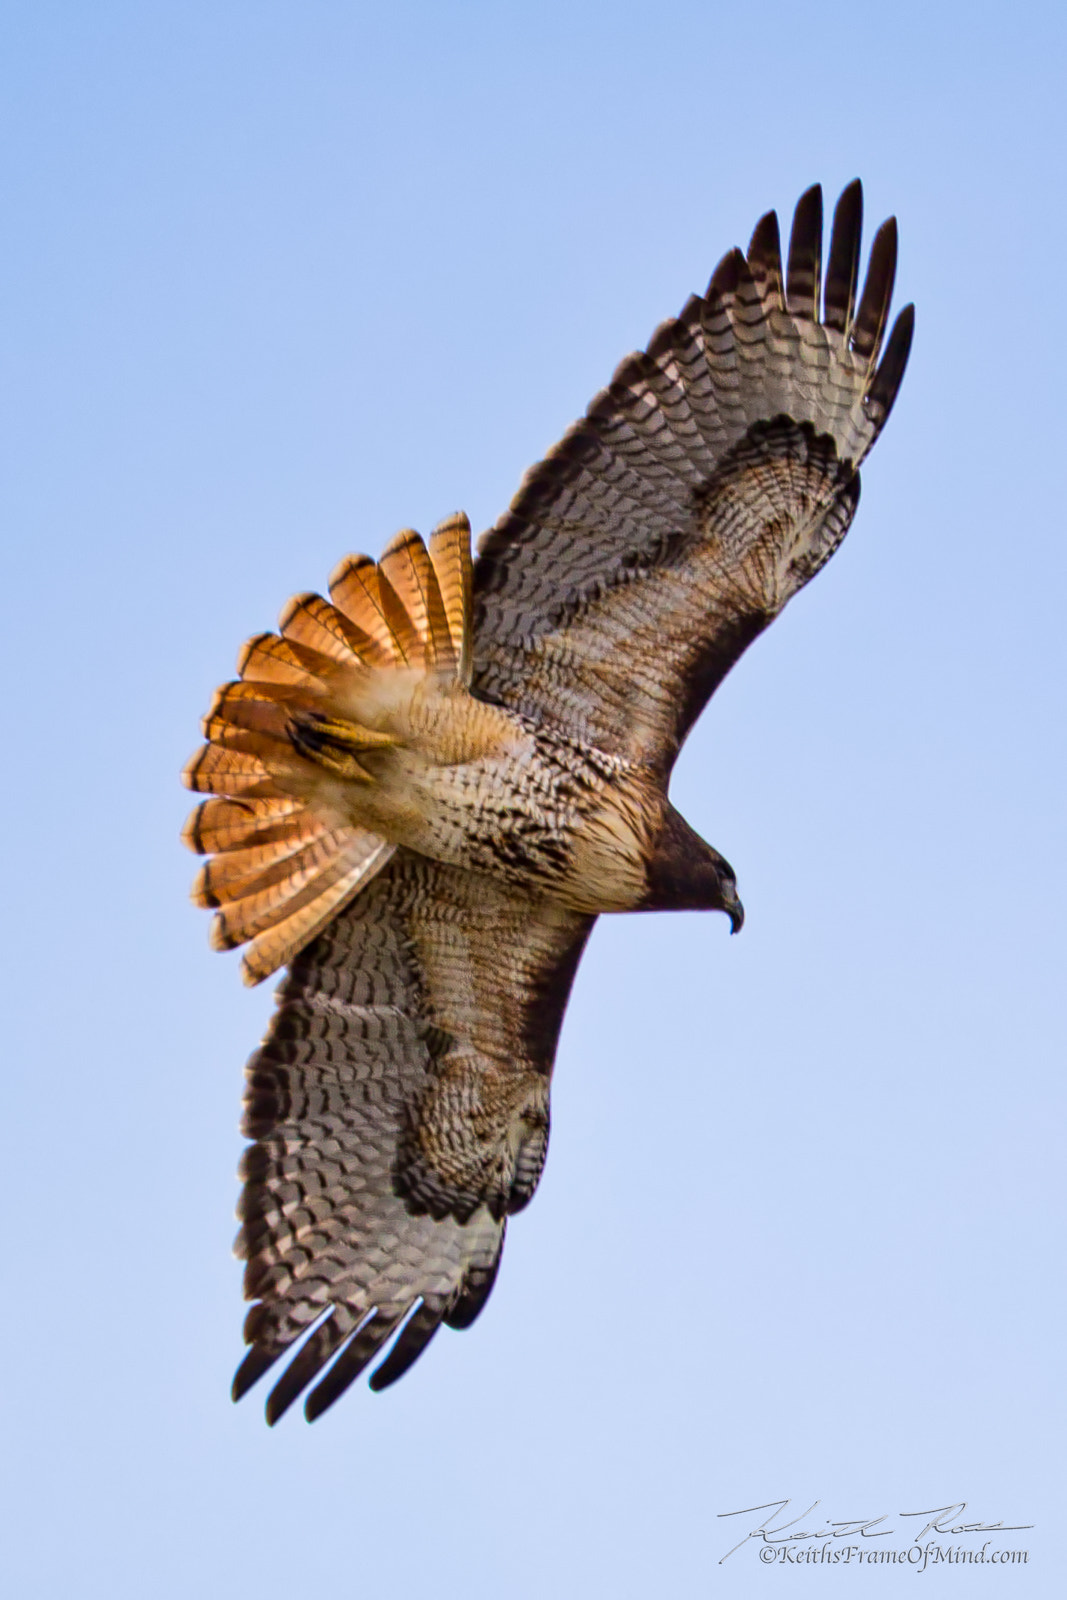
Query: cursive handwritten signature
x,y
943,1519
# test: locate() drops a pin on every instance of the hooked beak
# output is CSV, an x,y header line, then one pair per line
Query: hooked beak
x,y
734,910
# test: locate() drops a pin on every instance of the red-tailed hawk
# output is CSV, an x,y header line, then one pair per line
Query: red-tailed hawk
x,y
427,787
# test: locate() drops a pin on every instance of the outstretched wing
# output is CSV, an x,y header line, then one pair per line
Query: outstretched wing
x,y
399,1108
706,485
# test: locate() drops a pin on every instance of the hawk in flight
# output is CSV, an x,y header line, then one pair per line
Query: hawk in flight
x,y
425,789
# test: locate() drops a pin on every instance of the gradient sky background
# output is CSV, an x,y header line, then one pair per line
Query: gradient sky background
x,y
282,278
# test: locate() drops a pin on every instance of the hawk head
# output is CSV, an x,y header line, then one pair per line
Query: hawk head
x,y
684,873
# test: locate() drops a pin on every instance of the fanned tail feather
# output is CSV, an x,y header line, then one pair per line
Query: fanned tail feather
x,y
282,939
450,552
285,743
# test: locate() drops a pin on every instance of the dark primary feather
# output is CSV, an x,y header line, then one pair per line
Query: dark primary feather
x,y
843,267
805,256
765,259
873,311
671,524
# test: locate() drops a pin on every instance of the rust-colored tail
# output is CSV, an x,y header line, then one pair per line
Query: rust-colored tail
x,y
284,745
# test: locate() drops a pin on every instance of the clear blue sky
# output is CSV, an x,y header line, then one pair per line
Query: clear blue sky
x,y
282,278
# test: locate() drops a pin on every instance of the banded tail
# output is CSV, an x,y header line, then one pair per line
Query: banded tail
x,y
286,742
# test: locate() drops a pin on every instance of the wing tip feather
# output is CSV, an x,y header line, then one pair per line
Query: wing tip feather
x,y
257,1361
868,327
804,266
890,373
842,268
727,275
765,257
